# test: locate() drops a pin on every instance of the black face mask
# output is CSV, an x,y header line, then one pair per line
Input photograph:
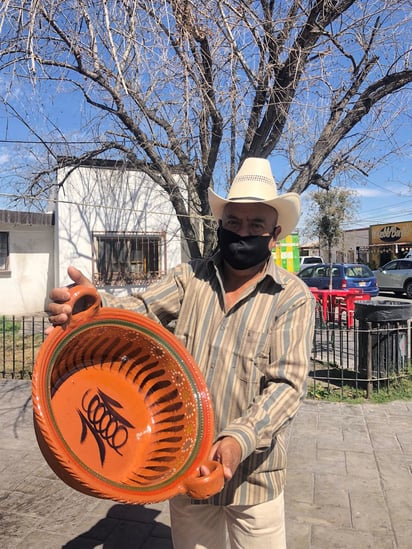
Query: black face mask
x,y
242,252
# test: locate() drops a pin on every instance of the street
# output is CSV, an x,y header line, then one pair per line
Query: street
x,y
390,296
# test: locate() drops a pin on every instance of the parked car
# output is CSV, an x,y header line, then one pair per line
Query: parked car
x,y
344,276
396,277
310,260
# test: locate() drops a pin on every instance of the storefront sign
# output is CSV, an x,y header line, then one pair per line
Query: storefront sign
x,y
391,233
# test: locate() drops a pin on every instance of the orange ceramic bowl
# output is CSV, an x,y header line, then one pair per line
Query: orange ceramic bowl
x,y
121,410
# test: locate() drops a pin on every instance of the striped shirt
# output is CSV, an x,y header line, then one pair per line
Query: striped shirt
x,y
254,358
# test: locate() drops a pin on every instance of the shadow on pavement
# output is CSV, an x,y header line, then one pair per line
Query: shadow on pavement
x,y
124,526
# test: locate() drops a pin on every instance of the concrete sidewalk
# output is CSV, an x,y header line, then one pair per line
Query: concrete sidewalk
x,y
349,485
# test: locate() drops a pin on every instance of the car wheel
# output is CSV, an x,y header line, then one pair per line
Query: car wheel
x,y
408,289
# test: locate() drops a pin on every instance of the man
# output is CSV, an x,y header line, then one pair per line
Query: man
x,y
249,326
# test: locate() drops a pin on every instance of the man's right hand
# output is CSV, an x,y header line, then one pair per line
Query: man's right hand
x,y
58,309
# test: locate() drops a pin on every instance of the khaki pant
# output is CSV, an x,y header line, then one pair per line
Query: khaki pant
x,y
230,527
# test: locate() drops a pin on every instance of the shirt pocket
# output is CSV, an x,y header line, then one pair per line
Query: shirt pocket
x,y
252,357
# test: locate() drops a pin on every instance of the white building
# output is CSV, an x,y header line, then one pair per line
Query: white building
x,y
116,225
113,223
26,261
355,247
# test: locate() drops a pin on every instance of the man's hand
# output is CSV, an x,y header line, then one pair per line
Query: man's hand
x,y
228,452
58,309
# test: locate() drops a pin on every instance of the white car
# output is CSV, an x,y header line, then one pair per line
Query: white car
x,y
310,260
396,277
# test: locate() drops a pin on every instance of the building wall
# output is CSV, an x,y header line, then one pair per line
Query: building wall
x,y
374,245
352,248
24,287
90,199
107,199
356,246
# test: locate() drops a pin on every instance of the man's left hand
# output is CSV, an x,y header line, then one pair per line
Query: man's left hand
x,y
226,451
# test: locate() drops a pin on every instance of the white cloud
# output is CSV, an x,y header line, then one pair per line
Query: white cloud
x,y
4,158
369,193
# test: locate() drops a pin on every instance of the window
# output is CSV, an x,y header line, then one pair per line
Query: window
x,y
392,266
127,258
307,273
4,251
358,271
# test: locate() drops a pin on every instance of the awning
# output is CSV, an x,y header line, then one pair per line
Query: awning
x,y
386,244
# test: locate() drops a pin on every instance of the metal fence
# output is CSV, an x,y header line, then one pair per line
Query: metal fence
x,y
356,359
20,339
369,356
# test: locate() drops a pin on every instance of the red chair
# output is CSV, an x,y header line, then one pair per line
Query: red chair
x,y
319,301
347,305
315,292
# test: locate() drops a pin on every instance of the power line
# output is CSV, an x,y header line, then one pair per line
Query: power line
x,y
30,198
46,142
386,190
367,216
386,207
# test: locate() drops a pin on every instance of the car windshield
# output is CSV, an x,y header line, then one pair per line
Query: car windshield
x,y
309,260
358,271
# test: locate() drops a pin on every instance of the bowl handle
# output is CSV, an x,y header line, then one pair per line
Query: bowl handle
x,y
202,487
85,302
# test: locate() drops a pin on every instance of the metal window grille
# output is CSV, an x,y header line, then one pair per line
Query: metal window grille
x,y
4,251
128,257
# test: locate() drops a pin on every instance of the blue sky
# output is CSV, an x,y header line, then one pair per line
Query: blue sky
x,y
387,194
384,195
381,202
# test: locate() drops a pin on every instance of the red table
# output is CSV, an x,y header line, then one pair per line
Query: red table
x,y
340,300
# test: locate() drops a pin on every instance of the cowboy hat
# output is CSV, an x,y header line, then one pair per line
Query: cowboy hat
x,y
253,183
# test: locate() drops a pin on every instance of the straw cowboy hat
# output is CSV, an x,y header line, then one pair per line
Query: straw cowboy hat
x,y
255,183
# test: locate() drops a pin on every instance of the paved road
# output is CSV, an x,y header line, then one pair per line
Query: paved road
x,y
349,485
390,296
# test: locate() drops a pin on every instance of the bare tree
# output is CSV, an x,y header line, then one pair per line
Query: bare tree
x,y
203,85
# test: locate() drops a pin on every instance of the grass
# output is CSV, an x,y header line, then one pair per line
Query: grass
x,y
355,392
9,325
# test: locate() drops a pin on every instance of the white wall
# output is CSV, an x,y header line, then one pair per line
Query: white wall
x,y
25,287
356,238
105,199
